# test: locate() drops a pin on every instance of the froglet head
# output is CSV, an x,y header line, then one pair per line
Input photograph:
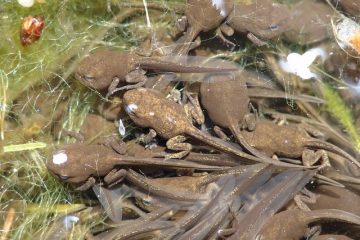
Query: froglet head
x,y
150,108
63,165
140,104
75,163
99,69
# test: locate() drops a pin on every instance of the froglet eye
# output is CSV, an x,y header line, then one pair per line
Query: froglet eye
x,y
131,108
146,202
88,78
274,27
62,177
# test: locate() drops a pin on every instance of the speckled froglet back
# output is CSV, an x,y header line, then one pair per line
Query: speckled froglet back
x,y
149,108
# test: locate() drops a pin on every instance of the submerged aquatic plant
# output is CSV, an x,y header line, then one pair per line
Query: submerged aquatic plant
x,y
338,109
72,29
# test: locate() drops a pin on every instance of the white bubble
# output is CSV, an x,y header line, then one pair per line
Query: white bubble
x,y
59,157
70,221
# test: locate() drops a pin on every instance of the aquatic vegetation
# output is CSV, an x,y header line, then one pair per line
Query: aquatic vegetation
x,y
338,109
60,134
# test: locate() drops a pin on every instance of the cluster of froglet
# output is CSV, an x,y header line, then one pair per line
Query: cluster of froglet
x,y
217,150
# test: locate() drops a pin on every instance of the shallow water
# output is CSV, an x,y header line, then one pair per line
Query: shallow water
x,y
275,83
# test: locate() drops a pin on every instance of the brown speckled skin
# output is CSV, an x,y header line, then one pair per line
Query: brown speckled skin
x,y
293,224
149,108
263,18
273,139
288,141
167,118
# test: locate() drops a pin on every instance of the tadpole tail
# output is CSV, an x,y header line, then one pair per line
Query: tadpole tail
x,y
184,44
211,159
156,189
272,93
136,230
159,162
159,64
334,214
226,147
332,148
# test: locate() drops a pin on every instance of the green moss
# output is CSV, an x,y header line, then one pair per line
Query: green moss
x,y
28,184
72,29
338,109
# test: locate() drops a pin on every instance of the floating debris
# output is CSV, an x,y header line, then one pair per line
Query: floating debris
x,y
31,29
347,33
300,64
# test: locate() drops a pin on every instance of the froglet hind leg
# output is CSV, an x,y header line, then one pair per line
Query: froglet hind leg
x,y
115,143
310,157
177,144
112,87
303,197
220,133
115,176
181,24
148,138
249,122
88,184
228,31
137,76
257,41
193,109
78,136
312,130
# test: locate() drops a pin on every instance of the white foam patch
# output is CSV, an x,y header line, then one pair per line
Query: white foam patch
x,y
121,128
131,108
70,221
300,64
60,157
26,3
